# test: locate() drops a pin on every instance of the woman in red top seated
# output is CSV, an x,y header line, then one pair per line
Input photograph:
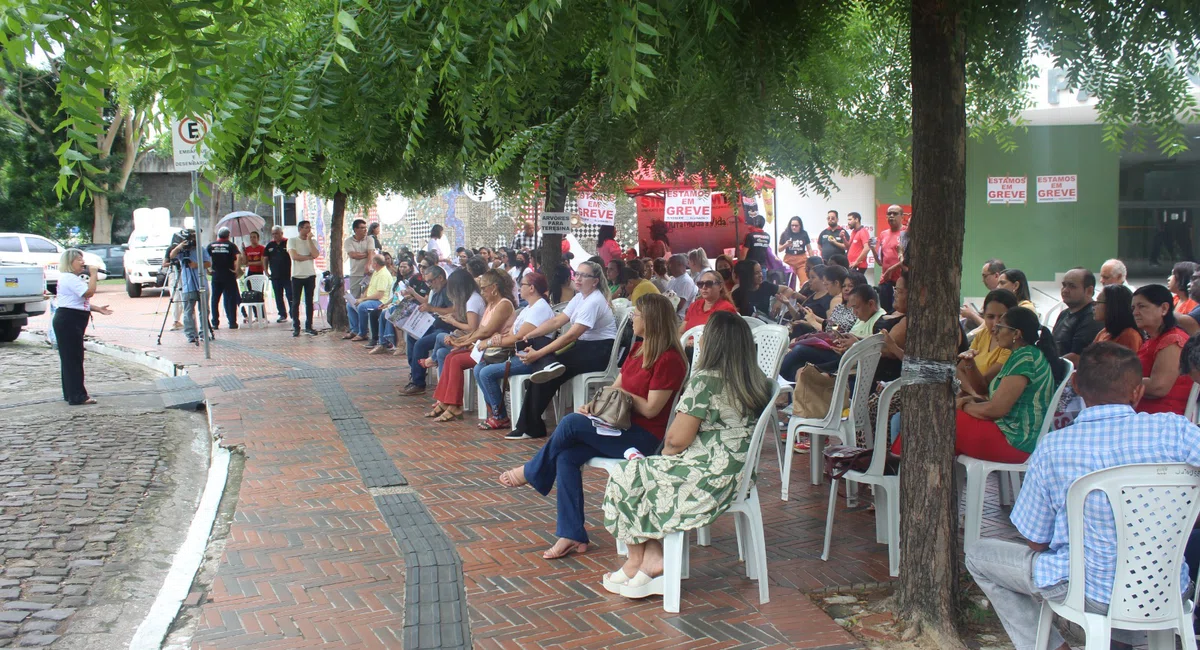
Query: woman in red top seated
x,y
711,299
652,374
1166,390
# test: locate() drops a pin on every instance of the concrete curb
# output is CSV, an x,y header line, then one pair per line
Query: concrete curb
x,y
152,361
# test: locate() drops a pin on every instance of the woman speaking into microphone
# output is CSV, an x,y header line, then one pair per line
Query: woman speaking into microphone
x,y
71,319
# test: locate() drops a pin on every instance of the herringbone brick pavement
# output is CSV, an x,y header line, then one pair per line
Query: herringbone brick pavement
x,y
311,562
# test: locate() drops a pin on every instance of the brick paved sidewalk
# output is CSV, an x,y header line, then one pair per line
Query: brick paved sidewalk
x,y
360,524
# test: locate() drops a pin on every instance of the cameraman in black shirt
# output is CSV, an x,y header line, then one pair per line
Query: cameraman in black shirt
x,y
279,269
225,267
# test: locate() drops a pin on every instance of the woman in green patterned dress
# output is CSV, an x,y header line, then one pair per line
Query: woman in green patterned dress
x,y
704,451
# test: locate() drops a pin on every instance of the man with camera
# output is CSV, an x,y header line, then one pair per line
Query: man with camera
x,y
183,251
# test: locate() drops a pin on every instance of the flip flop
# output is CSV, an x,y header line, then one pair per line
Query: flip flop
x,y
575,547
448,416
512,479
436,412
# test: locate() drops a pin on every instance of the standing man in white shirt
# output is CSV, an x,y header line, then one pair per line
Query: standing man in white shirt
x,y
357,248
680,283
304,249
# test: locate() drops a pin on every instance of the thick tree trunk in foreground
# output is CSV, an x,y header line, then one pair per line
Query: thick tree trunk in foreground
x,y
551,251
337,298
927,591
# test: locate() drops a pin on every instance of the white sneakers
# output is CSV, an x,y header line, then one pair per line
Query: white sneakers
x,y
552,371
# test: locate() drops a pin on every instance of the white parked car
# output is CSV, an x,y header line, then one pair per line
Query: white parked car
x,y
144,257
41,251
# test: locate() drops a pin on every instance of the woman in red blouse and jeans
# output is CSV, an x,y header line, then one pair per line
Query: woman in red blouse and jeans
x,y
652,374
1166,390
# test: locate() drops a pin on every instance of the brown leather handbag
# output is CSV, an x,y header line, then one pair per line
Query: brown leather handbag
x,y
612,405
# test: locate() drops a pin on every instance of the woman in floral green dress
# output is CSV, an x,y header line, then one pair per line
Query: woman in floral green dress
x,y
704,451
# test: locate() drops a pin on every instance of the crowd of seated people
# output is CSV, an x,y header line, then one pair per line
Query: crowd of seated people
x,y
521,327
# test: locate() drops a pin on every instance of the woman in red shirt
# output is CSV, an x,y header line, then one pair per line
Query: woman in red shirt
x,y
711,299
652,374
253,255
1166,390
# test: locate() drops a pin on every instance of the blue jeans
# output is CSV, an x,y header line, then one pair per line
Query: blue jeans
x,y
489,377
358,316
387,331
441,349
573,443
419,349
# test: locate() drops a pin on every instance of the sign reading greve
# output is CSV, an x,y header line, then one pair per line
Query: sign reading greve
x,y
688,205
596,211
1006,189
1058,189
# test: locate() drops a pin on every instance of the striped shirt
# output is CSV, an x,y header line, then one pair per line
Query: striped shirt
x,y
1024,420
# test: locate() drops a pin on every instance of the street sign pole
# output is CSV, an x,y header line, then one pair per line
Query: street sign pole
x,y
205,329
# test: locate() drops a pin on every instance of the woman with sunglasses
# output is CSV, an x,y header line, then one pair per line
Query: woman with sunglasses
x,y
1003,427
1166,389
495,287
652,374
711,299
593,332
491,376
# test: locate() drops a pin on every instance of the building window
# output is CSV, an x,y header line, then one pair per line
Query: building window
x,y
285,209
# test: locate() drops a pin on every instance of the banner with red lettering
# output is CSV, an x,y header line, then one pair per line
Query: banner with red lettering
x,y
686,205
1058,189
1006,189
596,210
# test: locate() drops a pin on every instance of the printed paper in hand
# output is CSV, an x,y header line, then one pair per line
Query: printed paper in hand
x,y
418,324
603,428
476,354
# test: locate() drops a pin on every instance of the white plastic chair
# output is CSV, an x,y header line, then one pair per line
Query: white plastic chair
x,y
516,383
977,471
694,335
1192,412
580,384
257,310
753,322
1051,314
1154,507
860,360
887,488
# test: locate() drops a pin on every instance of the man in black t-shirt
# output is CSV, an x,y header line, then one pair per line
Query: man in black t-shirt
x,y
279,269
1076,327
225,267
833,240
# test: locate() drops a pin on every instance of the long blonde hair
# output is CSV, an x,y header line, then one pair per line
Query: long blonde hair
x,y
601,281
658,316
729,351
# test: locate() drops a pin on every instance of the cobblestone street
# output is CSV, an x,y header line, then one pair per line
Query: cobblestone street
x,y
83,496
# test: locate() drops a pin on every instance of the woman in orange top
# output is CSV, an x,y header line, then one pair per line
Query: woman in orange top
x,y
1114,308
1181,277
1166,389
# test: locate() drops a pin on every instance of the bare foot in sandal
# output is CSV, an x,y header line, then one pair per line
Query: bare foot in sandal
x,y
564,547
514,477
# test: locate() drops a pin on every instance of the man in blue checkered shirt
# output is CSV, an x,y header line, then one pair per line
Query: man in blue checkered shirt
x,y
1016,577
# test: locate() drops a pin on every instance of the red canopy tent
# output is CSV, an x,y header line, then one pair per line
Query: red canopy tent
x,y
724,231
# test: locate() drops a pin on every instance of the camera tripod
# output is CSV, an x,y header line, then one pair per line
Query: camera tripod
x,y
204,329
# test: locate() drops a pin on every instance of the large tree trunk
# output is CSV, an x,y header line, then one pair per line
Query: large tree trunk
x,y
101,219
337,298
929,519
551,251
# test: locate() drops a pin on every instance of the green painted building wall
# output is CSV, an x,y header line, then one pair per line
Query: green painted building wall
x,y
1041,239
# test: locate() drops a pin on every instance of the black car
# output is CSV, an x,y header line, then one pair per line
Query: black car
x,y
113,255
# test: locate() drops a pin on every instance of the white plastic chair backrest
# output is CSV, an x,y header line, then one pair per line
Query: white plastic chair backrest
x,y
674,298
753,322
694,334
1048,421
257,282
771,342
853,358
621,315
864,371
560,307
746,481
1155,507
622,303
1191,410
879,440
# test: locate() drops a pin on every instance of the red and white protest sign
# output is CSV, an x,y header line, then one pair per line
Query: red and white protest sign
x,y
1006,189
1058,189
688,205
596,211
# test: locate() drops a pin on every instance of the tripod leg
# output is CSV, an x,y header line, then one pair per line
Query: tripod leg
x,y
167,313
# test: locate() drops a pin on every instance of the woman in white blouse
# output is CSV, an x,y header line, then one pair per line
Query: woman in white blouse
x,y
533,291
593,332
71,319
438,244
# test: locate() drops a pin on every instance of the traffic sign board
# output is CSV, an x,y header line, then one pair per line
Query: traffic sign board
x,y
186,133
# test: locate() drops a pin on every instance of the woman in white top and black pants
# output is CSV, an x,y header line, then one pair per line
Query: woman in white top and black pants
x,y
593,332
71,319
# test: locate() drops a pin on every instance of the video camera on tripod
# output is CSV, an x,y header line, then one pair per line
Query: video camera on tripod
x,y
186,236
